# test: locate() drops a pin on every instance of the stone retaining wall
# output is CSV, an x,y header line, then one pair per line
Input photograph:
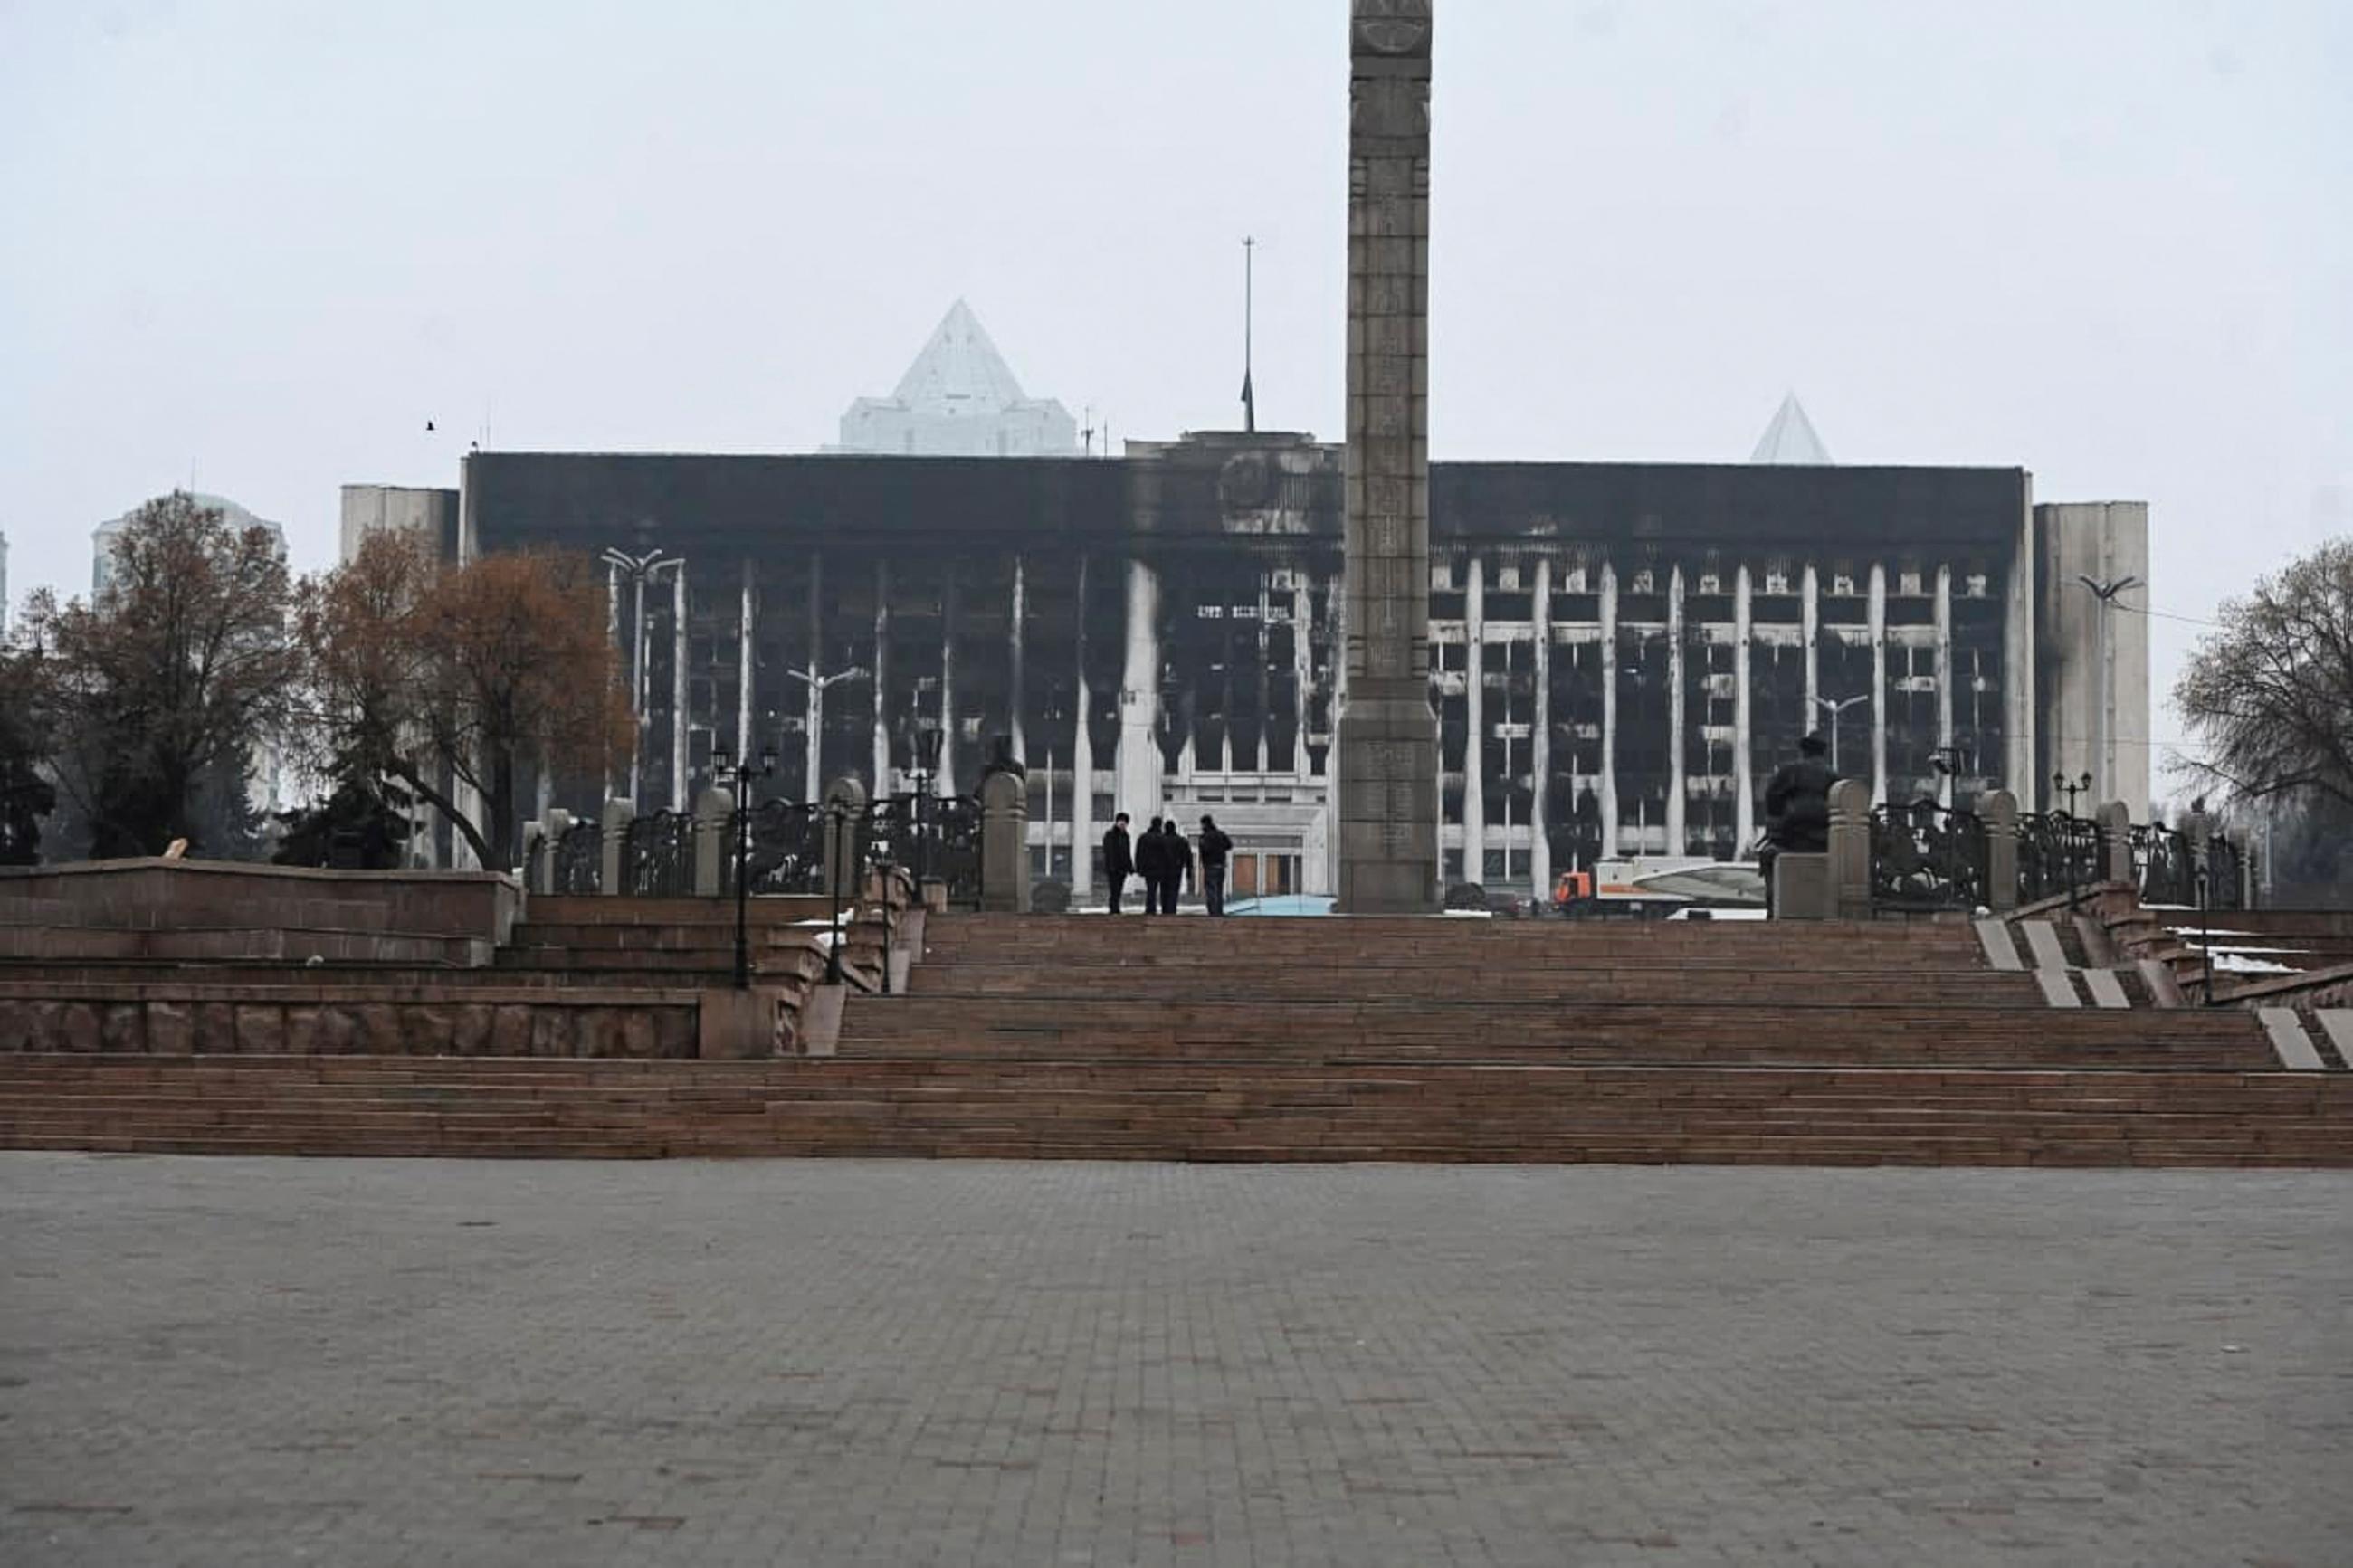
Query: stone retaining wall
x,y
222,910
277,1020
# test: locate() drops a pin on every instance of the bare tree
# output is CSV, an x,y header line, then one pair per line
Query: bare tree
x,y
438,676
2270,694
27,796
165,680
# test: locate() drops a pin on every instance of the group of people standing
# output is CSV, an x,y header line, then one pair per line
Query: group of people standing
x,y
1165,859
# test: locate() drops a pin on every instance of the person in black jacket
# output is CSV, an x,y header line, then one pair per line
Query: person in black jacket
x,y
1797,809
1177,861
1150,866
1119,860
1214,847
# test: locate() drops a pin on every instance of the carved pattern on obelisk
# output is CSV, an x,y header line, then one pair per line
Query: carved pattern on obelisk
x,y
1388,806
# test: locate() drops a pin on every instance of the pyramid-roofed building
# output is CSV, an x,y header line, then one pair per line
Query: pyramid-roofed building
x,y
1790,439
959,399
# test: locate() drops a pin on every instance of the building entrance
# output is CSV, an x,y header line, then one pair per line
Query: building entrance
x,y
1258,873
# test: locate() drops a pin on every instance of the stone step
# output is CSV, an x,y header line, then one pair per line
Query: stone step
x,y
1149,1110
1145,980
1486,1030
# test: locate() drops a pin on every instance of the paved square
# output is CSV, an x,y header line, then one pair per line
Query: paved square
x,y
243,1361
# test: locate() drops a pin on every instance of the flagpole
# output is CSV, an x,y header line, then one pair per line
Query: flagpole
x,y
1250,399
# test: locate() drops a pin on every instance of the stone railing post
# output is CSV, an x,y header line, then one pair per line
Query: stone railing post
x,y
1851,849
2197,827
619,815
845,836
2114,823
715,815
557,822
1004,843
1998,810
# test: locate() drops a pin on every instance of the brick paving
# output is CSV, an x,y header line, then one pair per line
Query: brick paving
x,y
362,1363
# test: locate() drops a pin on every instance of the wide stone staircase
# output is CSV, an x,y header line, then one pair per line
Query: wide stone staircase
x,y
1044,1037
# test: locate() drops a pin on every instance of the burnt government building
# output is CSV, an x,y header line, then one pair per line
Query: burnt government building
x,y
1620,653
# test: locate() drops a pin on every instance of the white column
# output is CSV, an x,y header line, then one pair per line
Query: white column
x,y
747,661
1139,698
679,799
1333,783
640,683
1676,842
1020,615
813,721
612,635
1540,734
1474,713
1608,711
1878,612
1744,763
2023,768
1302,667
947,689
881,678
1945,682
1809,629
1265,678
1083,768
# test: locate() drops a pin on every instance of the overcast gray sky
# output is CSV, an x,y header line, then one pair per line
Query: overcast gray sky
x,y
2110,240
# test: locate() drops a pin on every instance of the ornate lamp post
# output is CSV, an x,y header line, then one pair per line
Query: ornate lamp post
x,y
738,783
837,866
2061,785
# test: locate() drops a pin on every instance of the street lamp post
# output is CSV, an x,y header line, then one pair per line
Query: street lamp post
x,y
738,782
837,866
639,570
927,763
1836,708
2061,785
817,686
2103,689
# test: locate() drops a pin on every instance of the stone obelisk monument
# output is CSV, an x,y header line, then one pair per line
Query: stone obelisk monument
x,y
1387,783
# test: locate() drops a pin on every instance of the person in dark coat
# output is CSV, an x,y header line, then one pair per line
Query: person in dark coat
x,y
1214,847
1797,808
1150,866
1178,853
1119,860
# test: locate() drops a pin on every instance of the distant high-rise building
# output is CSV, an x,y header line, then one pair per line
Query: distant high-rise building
x,y
376,509
959,399
102,537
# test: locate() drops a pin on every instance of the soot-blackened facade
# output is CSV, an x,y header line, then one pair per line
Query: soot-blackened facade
x,y
1620,652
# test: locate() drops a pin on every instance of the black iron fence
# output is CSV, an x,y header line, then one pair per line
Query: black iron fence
x,y
2057,854
2226,887
783,849
578,859
657,856
1926,856
2165,868
932,838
